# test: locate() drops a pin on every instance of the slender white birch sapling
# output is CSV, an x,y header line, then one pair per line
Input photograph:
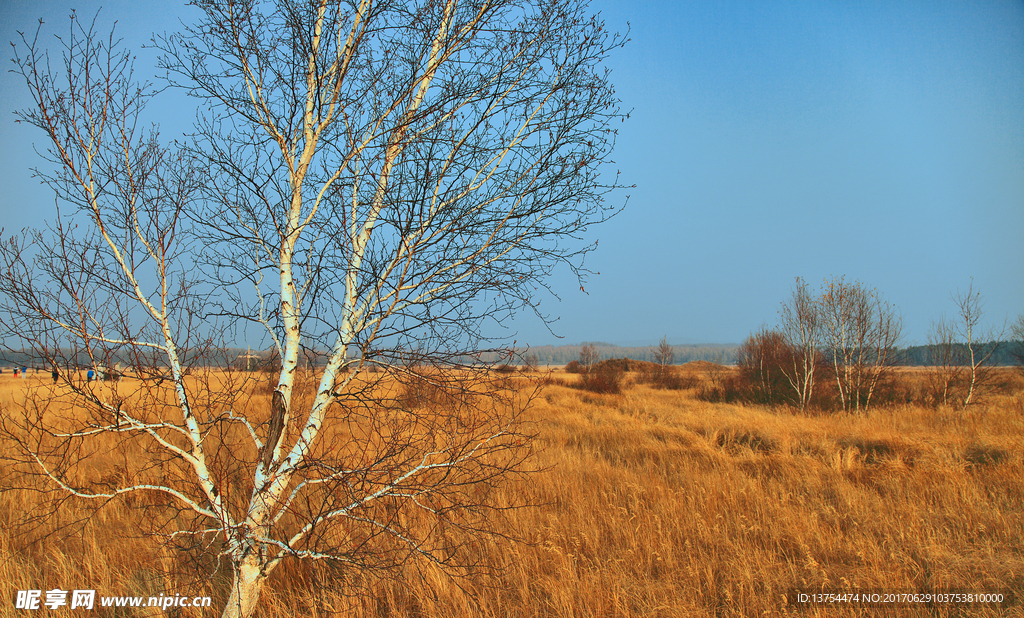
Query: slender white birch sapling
x,y
369,182
800,322
977,345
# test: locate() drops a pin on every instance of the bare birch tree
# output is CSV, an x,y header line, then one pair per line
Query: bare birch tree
x,y
978,345
1017,332
945,360
367,180
589,356
860,333
664,355
800,322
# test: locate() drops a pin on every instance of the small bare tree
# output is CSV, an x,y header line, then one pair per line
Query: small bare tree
x,y
715,370
1017,332
368,181
978,344
531,362
589,356
800,322
763,359
664,355
945,360
861,333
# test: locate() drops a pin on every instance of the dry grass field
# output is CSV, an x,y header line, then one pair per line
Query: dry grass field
x,y
649,503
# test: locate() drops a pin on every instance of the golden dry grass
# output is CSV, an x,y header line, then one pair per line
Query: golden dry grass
x,y
652,503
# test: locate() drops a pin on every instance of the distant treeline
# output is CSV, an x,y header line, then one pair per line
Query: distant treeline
x,y
1006,354
80,359
723,354
240,358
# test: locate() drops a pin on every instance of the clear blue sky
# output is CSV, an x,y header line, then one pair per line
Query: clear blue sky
x,y
883,141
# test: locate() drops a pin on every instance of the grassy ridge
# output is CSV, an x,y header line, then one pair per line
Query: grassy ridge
x,y
652,503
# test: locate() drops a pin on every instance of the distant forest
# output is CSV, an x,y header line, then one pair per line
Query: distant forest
x,y
725,354
1007,353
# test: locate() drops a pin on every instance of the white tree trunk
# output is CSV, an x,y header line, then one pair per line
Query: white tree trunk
x,y
245,589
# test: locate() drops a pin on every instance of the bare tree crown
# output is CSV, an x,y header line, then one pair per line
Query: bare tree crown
x,y
367,182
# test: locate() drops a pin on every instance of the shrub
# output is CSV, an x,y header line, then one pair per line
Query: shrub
x,y
604,377
763,359
671,379
621,365
732,388
421,391
663,377
531,362
573,367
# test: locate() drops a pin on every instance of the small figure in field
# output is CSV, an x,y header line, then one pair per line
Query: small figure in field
x,y
15,372
55,375
88,376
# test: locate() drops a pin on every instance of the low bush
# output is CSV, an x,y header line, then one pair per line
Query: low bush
x,y
418,391
621,365
604,377
673,379
731,389
664,377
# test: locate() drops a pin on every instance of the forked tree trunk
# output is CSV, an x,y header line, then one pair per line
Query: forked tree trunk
x,y
245,588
